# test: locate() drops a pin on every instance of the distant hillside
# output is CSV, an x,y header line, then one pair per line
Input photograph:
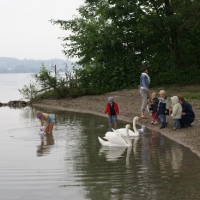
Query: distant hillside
x,y
13,65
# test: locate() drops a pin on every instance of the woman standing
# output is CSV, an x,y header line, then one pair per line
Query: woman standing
x,y
144,89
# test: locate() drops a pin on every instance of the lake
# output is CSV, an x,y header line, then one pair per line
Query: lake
x,y
10,83
73,164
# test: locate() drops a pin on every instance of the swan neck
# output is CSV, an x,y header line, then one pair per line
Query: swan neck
x,y
134,127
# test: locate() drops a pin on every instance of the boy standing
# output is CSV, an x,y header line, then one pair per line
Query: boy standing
x,y
112,110
163,108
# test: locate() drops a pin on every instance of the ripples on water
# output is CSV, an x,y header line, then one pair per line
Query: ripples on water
x,y
73,165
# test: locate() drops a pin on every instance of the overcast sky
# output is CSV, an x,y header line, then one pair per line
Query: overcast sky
x,y
26,32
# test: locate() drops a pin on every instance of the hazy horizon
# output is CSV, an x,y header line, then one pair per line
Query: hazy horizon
x,y
27,32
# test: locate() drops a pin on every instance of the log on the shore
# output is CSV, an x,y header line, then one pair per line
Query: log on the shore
x,y
15,103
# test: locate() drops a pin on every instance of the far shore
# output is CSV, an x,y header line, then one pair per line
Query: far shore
x,y
129,104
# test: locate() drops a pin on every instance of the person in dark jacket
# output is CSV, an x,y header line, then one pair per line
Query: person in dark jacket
x,y
163,108
188,115
113,110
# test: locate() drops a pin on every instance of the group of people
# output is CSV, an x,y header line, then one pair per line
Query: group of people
x,y
180,110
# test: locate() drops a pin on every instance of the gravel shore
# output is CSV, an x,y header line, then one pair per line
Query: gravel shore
x,y
129,102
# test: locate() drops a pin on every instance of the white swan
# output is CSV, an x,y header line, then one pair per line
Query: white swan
x,y
115,139
122,131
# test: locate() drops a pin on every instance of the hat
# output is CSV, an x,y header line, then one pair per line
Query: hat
x,y
111,99
39,115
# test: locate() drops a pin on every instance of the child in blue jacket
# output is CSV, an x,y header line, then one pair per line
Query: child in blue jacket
x,y
163,108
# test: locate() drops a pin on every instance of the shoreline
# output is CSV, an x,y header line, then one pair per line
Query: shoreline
x,y
129,103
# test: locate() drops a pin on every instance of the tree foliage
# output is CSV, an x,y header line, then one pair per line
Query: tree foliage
x,y
48,85
29,92
114,38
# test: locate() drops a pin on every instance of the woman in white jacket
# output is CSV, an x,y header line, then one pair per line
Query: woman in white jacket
x,y
176,112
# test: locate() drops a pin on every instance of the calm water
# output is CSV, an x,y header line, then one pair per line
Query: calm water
x,y
9,85
73,165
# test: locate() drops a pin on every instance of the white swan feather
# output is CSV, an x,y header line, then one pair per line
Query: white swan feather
x,y
122,131
115,139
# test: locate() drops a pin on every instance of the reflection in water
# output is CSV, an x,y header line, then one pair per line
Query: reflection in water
x,y
76,165
161,154
115,153
154,138
45,146
112,153
177,157
128,154
135,142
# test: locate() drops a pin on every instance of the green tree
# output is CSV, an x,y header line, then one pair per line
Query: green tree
x,y
29,92
113,38
49,85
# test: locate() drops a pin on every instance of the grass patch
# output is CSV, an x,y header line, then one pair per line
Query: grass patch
x,y
189,92
191,95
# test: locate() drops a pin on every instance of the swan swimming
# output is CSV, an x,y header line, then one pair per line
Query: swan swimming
x,y
122,131
115,139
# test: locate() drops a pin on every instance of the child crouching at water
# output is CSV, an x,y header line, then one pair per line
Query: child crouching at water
x,y
44,117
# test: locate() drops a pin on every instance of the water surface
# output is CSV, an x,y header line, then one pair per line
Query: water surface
x,y
10,85
73,164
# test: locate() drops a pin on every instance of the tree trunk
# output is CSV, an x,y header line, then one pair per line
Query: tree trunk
x,y
173,41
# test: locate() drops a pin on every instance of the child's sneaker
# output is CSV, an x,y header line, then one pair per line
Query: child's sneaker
x,y
156,122
162,126
152,122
